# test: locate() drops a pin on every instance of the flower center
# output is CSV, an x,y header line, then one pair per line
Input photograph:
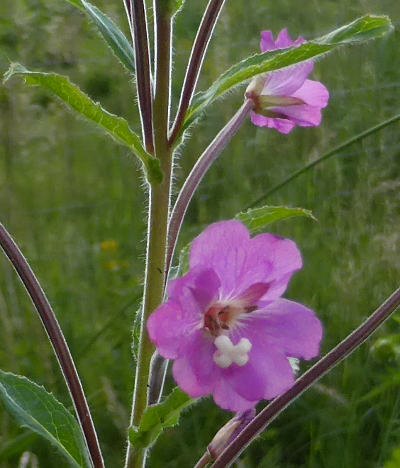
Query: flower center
x,y
227,353
220,316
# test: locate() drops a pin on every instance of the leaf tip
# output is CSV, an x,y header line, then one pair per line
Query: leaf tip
x,y
14,69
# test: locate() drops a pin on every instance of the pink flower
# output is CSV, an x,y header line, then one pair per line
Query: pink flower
x,y
225,325
286,98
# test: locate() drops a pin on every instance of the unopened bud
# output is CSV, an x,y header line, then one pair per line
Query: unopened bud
x,y
229,432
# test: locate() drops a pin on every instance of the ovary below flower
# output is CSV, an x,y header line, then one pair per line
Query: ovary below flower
x,y
286,98
225,325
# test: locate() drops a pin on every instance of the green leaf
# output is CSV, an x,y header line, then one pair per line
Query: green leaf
x,y
39,411
110,32
177,5
362,29
257,219
113,36
77,3
158,417
76,99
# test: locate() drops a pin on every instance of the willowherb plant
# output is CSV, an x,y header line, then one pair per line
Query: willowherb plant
x,y
219,313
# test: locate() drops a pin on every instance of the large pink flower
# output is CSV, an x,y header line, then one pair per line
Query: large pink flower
x,y
225,325
286,98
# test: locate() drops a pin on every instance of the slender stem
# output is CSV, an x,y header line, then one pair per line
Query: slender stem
x,y
158,221
136,11
326,156
58,342
334,357
199,50
198,172
203,461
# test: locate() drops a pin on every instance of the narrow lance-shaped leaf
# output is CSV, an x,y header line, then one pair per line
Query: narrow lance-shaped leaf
x,y
110,32
362,29
39,411
258,219
115,126
159,417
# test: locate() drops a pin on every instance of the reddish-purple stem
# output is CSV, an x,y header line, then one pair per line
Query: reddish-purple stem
x,y
58,342
136,11
334,357
199,50
198,172
203,461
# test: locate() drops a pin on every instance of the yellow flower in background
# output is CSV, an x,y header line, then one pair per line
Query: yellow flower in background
x,y
115,265
109,245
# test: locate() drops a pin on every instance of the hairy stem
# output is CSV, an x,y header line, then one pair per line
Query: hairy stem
x,y
334,357
198,172
158,221
199,50
58,342
136,11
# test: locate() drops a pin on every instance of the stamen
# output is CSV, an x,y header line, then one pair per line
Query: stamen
x,y
227,353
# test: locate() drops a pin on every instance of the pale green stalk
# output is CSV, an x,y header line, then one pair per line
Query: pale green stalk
x,y
157,222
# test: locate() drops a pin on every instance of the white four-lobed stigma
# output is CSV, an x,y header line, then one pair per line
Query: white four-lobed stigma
x,y
227,353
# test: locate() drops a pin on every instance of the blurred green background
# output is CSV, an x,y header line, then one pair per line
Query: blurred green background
x,y
75,203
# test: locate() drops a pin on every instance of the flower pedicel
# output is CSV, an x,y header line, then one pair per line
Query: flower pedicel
x,y
225,324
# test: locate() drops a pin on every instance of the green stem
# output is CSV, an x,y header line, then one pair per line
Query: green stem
x,y
157,224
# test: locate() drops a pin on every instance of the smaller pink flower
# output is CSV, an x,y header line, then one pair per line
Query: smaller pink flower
x,y
225,324
286,98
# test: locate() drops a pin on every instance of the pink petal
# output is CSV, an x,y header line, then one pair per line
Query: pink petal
x,y
195,371
186,379
172,325
267,41
252,294
268,369
303,116
313,93
200,284
291,327
273,260
222,247
228,399
282,125
285,82
169,328
283,40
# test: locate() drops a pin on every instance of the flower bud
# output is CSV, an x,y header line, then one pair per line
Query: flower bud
x,y
228,432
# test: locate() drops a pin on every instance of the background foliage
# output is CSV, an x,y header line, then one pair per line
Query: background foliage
x,y
74,202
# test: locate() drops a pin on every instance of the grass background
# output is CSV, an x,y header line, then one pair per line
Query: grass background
x,y
66,189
